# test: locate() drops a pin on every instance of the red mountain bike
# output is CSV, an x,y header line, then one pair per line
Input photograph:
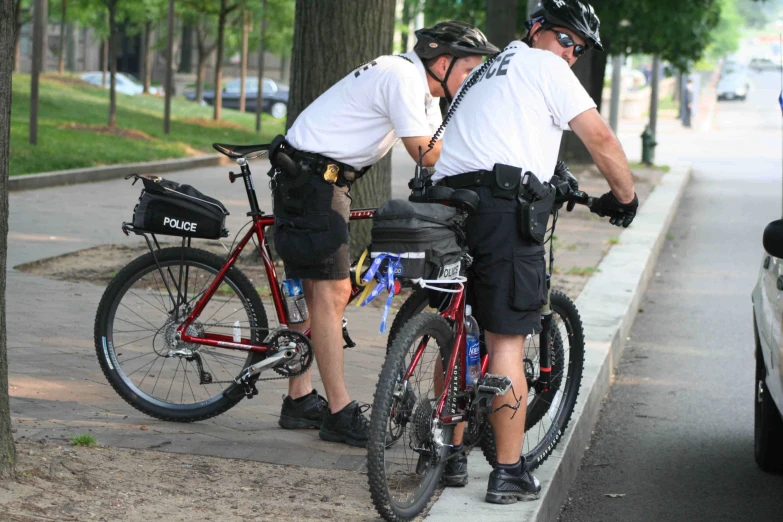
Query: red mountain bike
x,y
182,334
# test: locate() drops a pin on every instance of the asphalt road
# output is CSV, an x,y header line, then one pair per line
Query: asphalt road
x,y
675,436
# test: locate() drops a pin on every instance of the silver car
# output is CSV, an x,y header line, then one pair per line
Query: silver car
x,y
767,325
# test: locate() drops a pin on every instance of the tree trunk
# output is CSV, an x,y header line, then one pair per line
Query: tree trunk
x,y
72,39
169,89
146,53
35,69
113,62
219,62
104,61
243,61
186,49
320,60
284,69
261,51
502,21
61,64
590,71
45,35
7,451
17,33
201,71
406,22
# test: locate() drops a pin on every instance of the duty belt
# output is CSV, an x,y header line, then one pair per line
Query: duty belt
x,y
331,171
477,178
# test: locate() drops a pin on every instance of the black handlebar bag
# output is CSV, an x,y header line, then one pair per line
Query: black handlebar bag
x,y
426,236
171,209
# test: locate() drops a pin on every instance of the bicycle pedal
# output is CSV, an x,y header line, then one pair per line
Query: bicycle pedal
x,y
250,389
494,384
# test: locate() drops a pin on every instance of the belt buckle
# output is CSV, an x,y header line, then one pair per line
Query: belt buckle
x,y
331,172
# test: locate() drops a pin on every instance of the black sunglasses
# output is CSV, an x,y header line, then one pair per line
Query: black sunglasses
x,y
565,40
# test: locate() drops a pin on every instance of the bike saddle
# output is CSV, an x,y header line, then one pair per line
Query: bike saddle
x,y
465,199
439,194
239,151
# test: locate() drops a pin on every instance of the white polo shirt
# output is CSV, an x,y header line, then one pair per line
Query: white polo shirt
x,y
515,115
360,118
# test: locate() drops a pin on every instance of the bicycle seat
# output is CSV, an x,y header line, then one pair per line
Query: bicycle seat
x,y
239,151
465,199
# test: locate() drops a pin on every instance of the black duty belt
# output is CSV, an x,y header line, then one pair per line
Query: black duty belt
x,y
477,178
328,169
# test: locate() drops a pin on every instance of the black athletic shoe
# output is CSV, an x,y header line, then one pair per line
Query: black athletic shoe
x,y
348,425
506,488
304,412
455,472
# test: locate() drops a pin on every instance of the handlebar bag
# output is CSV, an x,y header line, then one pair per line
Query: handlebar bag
x,y
426,236
171,209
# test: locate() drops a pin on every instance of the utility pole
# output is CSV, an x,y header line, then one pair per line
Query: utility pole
x,y
38,32
169,70
656,79
614,106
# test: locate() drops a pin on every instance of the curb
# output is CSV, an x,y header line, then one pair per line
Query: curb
x,y
608,305
68,177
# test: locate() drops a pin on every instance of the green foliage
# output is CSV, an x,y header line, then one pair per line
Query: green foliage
x,y
727,34
65,101
470,11
83,440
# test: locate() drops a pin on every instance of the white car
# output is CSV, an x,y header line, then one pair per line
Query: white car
x,y
125,83
733,85
767,322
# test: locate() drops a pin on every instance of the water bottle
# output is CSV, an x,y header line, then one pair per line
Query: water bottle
x,y
237,332
296,307
473,351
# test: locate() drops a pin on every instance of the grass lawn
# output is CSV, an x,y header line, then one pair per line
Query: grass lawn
x,y
72,133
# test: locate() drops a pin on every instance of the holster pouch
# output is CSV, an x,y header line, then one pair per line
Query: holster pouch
x,y
506,181
534,213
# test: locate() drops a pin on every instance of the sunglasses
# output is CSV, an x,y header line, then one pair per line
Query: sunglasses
x,y
565,40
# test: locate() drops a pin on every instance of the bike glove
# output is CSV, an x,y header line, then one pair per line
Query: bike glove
x,y
620,214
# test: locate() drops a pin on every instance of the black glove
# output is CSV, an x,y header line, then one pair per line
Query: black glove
x,y
566,182
620,214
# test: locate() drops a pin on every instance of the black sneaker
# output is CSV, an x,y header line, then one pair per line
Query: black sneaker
x,y
348,425
455,472
304,412
506,488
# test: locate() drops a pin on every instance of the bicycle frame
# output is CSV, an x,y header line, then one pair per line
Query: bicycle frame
x,y
260,223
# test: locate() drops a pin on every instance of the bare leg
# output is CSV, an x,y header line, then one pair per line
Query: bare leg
x,y
302,385
505,358
327,302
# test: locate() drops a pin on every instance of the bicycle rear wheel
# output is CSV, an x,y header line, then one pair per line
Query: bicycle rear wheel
x,y
549,411
406,450
135,334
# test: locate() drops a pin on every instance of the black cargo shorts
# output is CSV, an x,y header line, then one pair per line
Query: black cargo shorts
x,y
313,242
509,273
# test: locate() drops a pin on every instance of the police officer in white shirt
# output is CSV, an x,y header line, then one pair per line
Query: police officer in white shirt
x,y
509,121
333,142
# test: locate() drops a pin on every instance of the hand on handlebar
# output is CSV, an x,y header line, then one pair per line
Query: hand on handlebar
x,y
565,182
620,214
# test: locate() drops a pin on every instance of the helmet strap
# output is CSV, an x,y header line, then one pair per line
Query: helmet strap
x,y
445,79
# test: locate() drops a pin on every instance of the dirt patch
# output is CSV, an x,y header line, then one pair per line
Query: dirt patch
x,y
132,134
65,79
212,124
57,481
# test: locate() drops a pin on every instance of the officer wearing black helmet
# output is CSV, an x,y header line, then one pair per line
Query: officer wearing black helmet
x,y
502,139
333,142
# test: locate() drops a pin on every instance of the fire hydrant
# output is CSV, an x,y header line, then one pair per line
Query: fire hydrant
x,y
648,146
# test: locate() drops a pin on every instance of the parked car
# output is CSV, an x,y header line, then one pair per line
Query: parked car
x,y
733,86
764,64
125,83
275,101
767,316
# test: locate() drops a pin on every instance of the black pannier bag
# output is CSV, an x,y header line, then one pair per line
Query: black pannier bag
x,y
171,209
425,235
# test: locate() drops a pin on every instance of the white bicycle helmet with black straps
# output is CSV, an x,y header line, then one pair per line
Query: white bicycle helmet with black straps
x,y
572,14
453,38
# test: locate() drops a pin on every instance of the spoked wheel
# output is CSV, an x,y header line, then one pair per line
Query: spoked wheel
x,y
406,450
549,410
137,345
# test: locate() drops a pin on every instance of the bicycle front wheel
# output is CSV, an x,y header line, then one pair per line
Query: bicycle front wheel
x,y
549,410
135,334
406,449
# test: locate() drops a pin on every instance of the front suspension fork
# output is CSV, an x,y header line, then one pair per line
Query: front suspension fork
x,y
545,348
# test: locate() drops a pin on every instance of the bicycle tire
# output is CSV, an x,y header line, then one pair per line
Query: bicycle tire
x,y
386,407
566,312
106,346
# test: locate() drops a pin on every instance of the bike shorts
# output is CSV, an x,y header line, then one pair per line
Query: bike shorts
x,y
509,273
313,244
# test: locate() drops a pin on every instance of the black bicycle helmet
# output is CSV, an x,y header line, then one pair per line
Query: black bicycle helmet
x,y
453,38
572,14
